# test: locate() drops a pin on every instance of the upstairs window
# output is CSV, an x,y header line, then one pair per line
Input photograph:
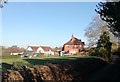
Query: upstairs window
x,y
67,46
75,46
80,46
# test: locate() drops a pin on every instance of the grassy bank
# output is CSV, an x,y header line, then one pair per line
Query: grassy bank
x,y
8,61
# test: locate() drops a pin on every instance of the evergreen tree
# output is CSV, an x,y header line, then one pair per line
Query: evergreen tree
x,y
110,12
104,46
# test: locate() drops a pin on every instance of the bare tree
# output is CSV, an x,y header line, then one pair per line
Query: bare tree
x,y
110,12
95,29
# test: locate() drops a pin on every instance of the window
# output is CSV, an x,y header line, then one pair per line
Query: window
x,y
67,46
80,46
75,46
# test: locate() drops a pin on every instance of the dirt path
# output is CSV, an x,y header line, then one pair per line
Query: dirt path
x,y
0,76
110,72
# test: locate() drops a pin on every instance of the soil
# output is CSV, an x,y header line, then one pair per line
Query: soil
x,y
73,70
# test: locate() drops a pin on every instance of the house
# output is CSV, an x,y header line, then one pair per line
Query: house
x,y
14,50
16,53
57,50
73,46
31,51
46,50
35,50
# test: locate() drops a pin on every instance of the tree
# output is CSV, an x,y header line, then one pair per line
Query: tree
x,y
2,2
110,12
104,46
95,29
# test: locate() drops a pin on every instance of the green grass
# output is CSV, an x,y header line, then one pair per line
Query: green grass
x,y
18,61
10,56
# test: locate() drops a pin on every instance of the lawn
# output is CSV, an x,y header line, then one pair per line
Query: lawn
x,y
8,61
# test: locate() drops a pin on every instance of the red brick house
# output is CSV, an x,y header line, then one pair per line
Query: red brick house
x,y
73,46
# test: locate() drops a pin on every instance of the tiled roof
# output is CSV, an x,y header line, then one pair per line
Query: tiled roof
x,y
46,48
14,50
34,48
74,41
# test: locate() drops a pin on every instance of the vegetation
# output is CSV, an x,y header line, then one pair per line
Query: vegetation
x,y
104,46
110,12
11,60
103,49
95,29
82,68
2,2
70,70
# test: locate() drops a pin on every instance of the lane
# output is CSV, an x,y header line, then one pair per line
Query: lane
x,y
110,72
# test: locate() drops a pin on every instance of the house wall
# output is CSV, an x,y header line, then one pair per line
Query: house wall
x,y
29,49
40,50
73,48
14,53
74,51
49,52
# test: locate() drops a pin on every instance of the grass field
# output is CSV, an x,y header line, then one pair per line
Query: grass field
x,y
7,61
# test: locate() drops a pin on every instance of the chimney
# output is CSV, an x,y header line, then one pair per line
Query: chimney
x,y
73,38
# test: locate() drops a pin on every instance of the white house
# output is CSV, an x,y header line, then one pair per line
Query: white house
x,y
14,50
33,48
45,50
40,50
16,53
